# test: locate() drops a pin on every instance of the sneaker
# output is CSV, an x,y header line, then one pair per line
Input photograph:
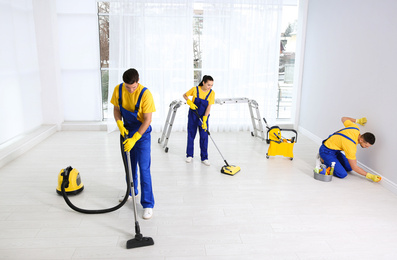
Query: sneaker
x,y
122,198
189,159
129,198
206,162
147,213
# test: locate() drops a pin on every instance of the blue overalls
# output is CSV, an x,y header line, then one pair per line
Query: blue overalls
x,y
194,123
342,165
140,153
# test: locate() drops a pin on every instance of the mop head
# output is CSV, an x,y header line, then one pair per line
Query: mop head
x,y
230,169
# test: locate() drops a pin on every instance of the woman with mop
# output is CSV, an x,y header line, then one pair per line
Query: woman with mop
x,y
202,98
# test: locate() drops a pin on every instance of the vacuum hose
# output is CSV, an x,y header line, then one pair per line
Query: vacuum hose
x,y
65,183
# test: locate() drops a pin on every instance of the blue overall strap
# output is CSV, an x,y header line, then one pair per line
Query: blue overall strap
x,y
345,136
208,94
198,93
139,99
120,93
347,128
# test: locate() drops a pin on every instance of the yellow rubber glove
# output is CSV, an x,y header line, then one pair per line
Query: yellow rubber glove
x,y
361,121
130,142
204,124
375,178
123,130
191,104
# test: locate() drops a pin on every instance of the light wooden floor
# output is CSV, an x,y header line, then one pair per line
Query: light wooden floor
x,y
272,209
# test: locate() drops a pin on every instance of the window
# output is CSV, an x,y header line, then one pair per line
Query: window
x,y
197,32
287,61
103,20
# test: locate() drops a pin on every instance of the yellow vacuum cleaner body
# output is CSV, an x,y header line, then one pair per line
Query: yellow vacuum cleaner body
x,y
74,185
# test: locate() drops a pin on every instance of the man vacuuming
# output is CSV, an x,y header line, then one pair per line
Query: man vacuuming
x,y
346,140
133,104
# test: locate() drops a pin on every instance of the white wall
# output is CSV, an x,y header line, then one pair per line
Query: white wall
x,y
46,28
79,60
20,90
350,70
49,64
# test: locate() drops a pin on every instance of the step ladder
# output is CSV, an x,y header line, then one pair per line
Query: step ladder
x,y
169,122
256,120
252,105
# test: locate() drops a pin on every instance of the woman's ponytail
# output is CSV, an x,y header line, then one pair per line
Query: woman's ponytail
x,y
205,79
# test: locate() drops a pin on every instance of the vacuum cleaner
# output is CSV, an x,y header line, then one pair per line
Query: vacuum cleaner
x,y
69,183
75,186
226,169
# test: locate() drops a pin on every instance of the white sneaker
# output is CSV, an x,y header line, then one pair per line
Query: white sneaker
x,y
122,198
129,198
206,162
147,213
189,159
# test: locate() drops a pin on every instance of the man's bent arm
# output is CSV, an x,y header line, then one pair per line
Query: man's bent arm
x,y
353,164
348,118
147,119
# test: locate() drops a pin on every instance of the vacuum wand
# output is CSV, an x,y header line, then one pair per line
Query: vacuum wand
x,y
132,185
139,240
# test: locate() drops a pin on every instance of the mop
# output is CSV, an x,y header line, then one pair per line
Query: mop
x,y
226,169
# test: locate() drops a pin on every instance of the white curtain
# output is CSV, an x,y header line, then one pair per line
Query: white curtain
x,y
154,37
240,49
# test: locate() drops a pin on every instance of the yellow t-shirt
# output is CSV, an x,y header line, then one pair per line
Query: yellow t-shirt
x,y
193,92
338,142
130,99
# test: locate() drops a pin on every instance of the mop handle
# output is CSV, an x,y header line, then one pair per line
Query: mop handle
x,y
211,138
217,148
132,182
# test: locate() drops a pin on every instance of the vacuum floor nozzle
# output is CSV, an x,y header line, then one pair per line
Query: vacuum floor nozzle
x,y
139,242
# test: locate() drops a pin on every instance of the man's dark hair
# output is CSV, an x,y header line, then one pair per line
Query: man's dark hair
x,y
369,138
130,76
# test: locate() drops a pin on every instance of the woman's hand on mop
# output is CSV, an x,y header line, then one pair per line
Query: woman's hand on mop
x,y
204,124
191,104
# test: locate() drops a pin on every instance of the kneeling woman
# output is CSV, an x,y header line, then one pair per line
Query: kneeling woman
x,y
202,98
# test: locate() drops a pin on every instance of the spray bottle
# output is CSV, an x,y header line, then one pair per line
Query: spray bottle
x,y
332,168
318,169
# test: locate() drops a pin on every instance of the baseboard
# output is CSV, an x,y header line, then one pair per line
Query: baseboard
x,y
17,146
310,135
385,182
84,126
